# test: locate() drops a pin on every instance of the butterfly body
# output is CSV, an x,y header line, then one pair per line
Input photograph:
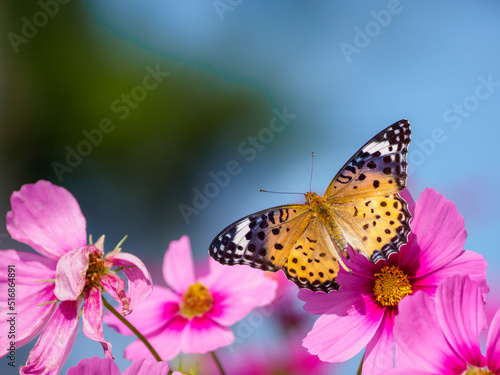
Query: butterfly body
x,y
322,212
307,241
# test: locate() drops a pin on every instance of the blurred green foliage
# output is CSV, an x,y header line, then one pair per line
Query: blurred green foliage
x,y
63,81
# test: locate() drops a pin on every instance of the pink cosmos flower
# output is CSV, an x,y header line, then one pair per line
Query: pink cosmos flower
x,y
194,314
441,335
100,366
362,312
67,269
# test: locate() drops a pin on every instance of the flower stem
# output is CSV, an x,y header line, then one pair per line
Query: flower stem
x,y
132,328
360,368
219,366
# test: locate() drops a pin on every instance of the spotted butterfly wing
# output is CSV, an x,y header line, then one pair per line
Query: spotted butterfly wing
x,y
283,237
361,207
373,218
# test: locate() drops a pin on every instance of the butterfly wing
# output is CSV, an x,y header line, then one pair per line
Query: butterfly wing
x,y
285,237
374,226
262,240
363,195
312,262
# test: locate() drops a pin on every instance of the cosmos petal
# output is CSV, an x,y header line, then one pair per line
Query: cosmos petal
x,y
140,283
167,343
32,309
178,266
55,342
115,286
493,345
147,366
71,272
460,311
440,231
31,318
379,354
202,335
336,338
418,333
236,291
48,218
92,319
466,263
95,366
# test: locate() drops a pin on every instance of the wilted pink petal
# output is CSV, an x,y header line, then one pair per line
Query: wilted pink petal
x,y
48,218
33,317
71,271
34,267
95,366
115,286
92,319
28,269
493,345
201,335
178,267
139,279
55,342
460,311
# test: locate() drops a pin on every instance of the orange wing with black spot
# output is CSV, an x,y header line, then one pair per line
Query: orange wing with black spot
x,y
373,218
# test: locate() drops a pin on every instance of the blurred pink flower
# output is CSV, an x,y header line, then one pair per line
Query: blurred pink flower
x,y
285,356
287,312
194,314
100,366
362,312
49,219
441,335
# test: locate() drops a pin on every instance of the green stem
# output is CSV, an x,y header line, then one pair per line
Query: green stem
x,y
360,368
133,329
219,366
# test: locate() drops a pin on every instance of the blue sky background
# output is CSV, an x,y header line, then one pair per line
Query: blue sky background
x,y
433,63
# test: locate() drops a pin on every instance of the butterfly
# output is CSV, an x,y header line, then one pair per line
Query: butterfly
x,y
361,207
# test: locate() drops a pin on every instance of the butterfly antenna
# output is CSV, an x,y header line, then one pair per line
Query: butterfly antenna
x,y
278,192
312,167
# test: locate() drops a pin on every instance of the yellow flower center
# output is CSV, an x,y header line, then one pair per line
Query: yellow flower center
x,y
391,286
472,370
95,270
196,301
